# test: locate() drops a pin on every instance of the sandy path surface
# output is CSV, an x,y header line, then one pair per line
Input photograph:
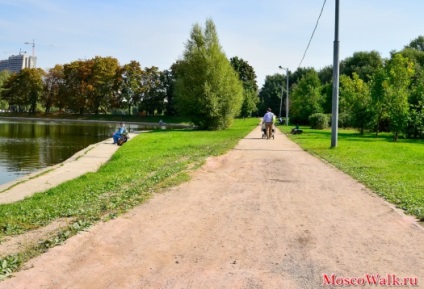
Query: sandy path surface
x,y
265,215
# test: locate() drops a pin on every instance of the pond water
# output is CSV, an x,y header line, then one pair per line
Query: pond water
x,y
29,145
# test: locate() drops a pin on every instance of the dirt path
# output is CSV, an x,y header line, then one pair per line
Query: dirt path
x,y
265,215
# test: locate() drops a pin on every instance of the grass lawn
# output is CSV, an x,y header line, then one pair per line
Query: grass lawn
x,y
394,170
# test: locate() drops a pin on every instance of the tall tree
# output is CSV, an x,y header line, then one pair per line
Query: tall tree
x,y
417,43
247,76
355,100
415,127
128,86
24,89
103,73
77,75
207,88
307,98
400,71
379,103
153,95
168,79
362,63
271,93
53,82
4,75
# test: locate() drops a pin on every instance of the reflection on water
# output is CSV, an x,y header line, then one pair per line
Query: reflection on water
x,y
27,146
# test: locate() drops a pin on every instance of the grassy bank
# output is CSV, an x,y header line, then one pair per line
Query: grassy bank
x,y
394,170
149,162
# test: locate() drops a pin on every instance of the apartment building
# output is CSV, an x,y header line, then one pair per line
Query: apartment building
x,y
17,62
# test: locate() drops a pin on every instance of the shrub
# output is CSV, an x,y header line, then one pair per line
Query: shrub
x,y
319,121
345,120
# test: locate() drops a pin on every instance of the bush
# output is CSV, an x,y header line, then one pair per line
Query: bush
x,y
345,120
319,121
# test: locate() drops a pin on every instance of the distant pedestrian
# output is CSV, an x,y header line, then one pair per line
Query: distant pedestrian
x,y
269,121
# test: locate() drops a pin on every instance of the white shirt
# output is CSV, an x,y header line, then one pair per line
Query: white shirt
x,y
268,117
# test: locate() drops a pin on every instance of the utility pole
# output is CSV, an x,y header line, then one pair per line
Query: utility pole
x,y
335,99
282,94
287,98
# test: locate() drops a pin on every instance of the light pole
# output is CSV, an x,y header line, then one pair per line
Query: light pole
x,y
287,98
336,68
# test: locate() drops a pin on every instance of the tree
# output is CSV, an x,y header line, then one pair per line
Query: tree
x,y
4,75
379,103
355,100
23,89
362,63
296,76
53,82
307,98
417,43
77,75
103,73
168,79
400,71
247,76
208,90
128,86
326,74
153,96
271,93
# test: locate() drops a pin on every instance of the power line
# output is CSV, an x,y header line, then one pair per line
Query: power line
x,y
313,32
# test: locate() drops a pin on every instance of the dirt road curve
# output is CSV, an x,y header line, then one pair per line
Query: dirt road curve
x,y
265,215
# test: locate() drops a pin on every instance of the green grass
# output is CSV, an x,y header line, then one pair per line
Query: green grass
x,y
394,170
146,164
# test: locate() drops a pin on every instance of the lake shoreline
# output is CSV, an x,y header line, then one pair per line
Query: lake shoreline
x,y
172,125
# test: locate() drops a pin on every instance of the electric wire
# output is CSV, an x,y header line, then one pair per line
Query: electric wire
x,y
313,32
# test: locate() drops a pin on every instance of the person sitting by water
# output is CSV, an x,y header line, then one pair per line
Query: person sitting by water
x,y
122,130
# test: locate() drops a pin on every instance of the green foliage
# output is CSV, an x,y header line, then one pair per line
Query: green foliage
x,y
417,43
53,88
355,100
364,64
103,73
392,170
400,71
154,96
128,90
415,126
378,93
307,98
4,75
247,76
24,89
8,265
168,86
319,120
271,93
207,88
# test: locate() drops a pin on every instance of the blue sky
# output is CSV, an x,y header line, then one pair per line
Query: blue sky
x,y
265,33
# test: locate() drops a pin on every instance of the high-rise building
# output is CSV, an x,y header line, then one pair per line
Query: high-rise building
x,y
16,63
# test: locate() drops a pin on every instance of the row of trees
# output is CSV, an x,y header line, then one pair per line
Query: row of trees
x,y
375,94
205,86
86,86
